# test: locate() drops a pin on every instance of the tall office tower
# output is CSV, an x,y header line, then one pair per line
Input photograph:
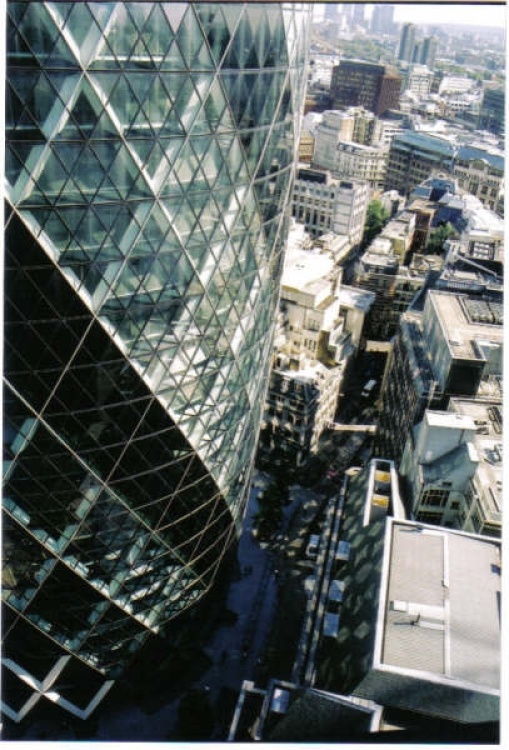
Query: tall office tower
x,y
406,42
417,51
382,19
359,14
150,155
429,51
332,11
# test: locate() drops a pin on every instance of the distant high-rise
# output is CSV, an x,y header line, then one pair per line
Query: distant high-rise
x,y
149,161
359,13
382,19
407,41
332,12
417,51
429,51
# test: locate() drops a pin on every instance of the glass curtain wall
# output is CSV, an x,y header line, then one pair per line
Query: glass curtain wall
x,y
149,159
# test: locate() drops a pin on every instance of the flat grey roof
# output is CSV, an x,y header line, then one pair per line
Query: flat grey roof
x,y
440,606
460,329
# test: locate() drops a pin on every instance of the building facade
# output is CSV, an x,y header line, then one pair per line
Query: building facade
x,y
394,285
418,80
324,205
429,51
150,150
375,87
382,19
407,43
452,467
492,113
311,352
453,348
364,163
335,127
481,171
413,157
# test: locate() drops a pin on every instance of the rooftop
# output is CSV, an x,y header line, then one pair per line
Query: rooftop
x,y
352,297
491,156
304,269
444,625
449,419
442,144
466,322
487,418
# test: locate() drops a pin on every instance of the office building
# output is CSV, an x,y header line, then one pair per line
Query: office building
x,y
480,170
150,154
359,14
420,630
332,12
416,51
353,161
463,107
356,125
300,405
456,84
335,127
482,511
306,146
407,43
418,80
452,467
414,156
326,205
312,350
492,114
453,348
364,126
429,51
394,285
375,87
382,19
474,262
469,269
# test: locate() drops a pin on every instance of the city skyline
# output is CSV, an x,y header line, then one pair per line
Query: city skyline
x,y
476,14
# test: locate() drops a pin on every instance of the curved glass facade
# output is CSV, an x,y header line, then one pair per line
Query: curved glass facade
x,y
150,150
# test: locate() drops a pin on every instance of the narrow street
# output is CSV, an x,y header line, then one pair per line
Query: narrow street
x,y
236,649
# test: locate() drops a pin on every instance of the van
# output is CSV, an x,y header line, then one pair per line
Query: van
x,y
313,544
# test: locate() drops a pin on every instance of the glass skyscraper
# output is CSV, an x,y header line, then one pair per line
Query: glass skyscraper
x,y
149,155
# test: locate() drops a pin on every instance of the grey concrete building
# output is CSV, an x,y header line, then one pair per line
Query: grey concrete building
x,y
453,348
420,629
452,467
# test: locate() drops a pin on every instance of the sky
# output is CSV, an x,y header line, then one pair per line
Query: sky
x,y
481,14
485,14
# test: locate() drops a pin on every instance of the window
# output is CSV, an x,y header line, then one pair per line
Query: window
x,y
435,497
428,517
